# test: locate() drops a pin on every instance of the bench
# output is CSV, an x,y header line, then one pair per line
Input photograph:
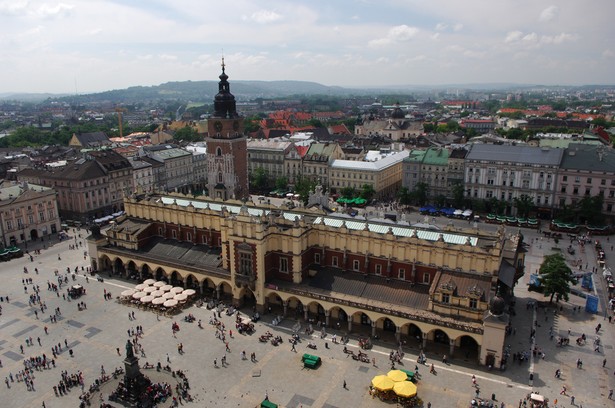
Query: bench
x,y
410,374
268,404
310,361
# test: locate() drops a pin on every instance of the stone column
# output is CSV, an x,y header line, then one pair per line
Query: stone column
x,y
373,328
451,347
201,288
349,324
285,305
397,334
305,314
424,340
218,292
327,315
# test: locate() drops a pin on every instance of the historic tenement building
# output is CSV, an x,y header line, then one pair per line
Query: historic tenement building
x,y
432,289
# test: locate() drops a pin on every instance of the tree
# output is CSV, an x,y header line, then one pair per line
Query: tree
x,y
281,183
524,204
303,187
348,192
420,192
590,209
458,193
555,277
259,179
367,192
186,134
405,196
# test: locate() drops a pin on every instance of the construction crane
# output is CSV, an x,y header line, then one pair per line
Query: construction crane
x,y
120,112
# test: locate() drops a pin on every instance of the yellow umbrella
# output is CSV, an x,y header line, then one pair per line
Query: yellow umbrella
x,y
397,375
404,389
382,383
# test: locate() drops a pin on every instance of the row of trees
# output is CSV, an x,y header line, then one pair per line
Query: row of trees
x,y
587,210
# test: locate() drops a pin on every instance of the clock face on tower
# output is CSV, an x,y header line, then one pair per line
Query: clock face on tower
x,y
218,126
236,125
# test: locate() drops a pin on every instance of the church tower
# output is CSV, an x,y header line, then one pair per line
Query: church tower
x,y
227,151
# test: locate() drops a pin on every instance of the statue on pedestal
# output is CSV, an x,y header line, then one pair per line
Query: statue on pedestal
x,y
129,351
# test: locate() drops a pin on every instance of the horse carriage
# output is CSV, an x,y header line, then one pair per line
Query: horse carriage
x,y
244,325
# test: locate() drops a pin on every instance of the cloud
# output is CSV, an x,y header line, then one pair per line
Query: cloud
x,y
167,57
58,10
458,27
558,39
13,8
608,54
548,14
513,36
401,33
441,27
263,17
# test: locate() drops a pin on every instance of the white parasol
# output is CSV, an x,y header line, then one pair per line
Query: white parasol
x,y
149,282
181,297
170,303
159,284
146,299
149,289
177,290
140,286
166,288
139,295
158,301
128,293
189,292
168,295
157,293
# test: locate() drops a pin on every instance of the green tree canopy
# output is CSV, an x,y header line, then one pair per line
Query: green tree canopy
x,y
259,179
367,192
524,204
555,277
187,134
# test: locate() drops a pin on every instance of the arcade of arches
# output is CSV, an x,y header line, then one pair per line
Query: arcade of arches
x,y
318,314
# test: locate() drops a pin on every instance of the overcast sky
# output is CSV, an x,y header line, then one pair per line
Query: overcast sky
x,y
93,45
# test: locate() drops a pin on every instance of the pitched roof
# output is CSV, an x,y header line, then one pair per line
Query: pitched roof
x,y
515,154
93,139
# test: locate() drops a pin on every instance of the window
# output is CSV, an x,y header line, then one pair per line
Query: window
x,y
174,234
611,193
426,277
30,219
603,182
188,236
577,179
334,261
473,303
446,298
575,190
9,225
218,152
160,231
378,269
587,191
565,178
589,180
41,216
355,265
609,207
284,265
489,194
317,259
402,273
245,263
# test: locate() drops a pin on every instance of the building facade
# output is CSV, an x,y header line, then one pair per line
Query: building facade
x,y
506,172
28,212
371,278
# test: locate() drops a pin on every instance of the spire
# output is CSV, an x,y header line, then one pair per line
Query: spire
x,y
224,101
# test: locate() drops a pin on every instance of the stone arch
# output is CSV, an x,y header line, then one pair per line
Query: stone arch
x,y
361,323
160,273
132,270
226,291
274,303
245,298
467,347
412,335
146,272
192,282
105,263
118,267
315,312
337,314
176,279
209,287
439,336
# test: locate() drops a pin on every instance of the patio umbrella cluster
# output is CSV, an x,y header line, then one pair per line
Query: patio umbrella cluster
x,y
394,384
157,293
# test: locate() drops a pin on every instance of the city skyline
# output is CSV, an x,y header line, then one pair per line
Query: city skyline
x,y
78,46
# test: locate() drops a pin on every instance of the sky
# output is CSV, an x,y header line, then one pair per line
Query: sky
x,y
83,46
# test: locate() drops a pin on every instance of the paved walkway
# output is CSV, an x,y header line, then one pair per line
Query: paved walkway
x,y
95,333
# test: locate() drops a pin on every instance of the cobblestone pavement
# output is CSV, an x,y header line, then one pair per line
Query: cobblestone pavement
x,y
95,333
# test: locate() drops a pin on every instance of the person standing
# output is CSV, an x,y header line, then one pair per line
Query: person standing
x,y
344,385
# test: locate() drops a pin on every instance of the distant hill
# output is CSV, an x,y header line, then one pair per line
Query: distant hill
x,y
206,90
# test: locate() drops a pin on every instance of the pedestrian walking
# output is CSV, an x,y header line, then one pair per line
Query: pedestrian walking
x,y
604,363
572,400
344,384
611,394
